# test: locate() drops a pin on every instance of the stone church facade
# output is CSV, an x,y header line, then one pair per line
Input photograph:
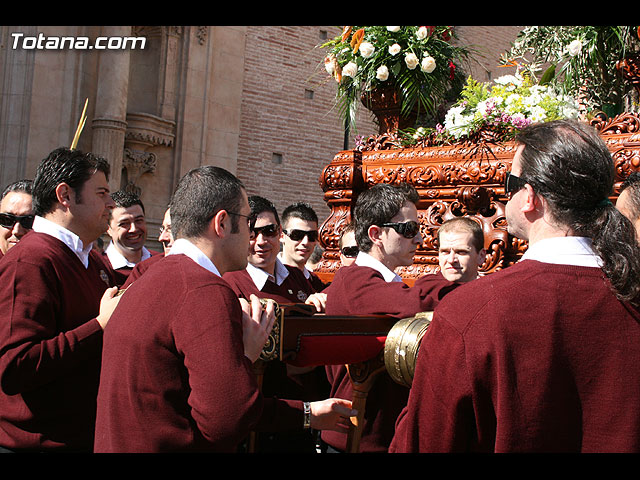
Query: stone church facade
x,y
252,99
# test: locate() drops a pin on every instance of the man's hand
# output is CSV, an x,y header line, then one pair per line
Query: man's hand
x,y
332,414
257,323
319,300
108,304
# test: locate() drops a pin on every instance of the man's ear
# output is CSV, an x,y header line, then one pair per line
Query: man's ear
x,y
220,224
374,233
482,256
531,201
64,194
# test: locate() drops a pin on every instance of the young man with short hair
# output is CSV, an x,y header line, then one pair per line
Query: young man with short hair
x,y
55,301
179,379
128,232
388,234
460,249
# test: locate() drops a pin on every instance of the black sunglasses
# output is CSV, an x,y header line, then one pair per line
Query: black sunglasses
x,y
350,252
407,229
297,235
270,230
512,184
8,220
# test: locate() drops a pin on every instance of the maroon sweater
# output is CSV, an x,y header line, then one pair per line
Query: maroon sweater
x,y
357,290
535,358
50,345
140,268
176,379
295,288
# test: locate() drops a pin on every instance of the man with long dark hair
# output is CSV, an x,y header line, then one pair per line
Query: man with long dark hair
x,y
542,356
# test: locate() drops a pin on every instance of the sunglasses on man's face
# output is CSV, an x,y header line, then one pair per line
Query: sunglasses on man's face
x,y
270,230
350,252
8,220
298,235
512,184
407,229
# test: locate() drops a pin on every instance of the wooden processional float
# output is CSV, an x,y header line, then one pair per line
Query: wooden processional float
x,y
452,181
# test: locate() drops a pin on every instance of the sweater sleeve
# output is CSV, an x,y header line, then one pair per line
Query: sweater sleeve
x,y
439,414
33,350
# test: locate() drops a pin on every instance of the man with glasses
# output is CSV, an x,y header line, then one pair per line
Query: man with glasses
x,y
55,301
267,277
348,246
16,214
388,233
299,238
543,355
179,377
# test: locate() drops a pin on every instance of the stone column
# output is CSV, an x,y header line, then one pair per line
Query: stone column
x,y
109,123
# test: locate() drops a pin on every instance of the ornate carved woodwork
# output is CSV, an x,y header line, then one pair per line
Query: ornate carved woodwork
x,y
456,180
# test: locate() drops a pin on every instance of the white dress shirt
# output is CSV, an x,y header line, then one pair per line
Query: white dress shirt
x,y
260,277
119,261
365,260
576,251
70,239
185,247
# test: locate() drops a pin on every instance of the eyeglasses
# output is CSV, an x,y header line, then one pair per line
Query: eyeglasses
x,y
350,252
297,235
270,230
512,184
407,229
8,220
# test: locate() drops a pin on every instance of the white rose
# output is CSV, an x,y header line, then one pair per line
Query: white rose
x,y
422,33
382,73
366,49
428,64
394,49
411,60
393,29
574,48
350,70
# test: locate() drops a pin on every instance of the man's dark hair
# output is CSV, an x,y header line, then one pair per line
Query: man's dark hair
x,y
124,199
632,186
21,186
568,164
260,205
300,210
378,205
64,165
200,195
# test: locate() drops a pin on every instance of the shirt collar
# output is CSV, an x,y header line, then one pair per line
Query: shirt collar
x,y
119,261
577,251
70,239
260,277
185,247
365,260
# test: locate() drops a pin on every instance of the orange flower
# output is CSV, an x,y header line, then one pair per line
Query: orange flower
x,y
346,31
358,36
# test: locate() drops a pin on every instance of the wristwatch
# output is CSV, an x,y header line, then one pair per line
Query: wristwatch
x,y
307,415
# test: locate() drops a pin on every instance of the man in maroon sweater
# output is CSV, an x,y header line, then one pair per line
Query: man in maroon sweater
x,y
55,301
176,370
266,276
542,356
388,234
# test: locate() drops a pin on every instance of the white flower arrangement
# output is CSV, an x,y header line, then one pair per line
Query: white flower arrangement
x,y
511,103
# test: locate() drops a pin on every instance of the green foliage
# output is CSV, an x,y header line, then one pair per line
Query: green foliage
x,y
421,62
